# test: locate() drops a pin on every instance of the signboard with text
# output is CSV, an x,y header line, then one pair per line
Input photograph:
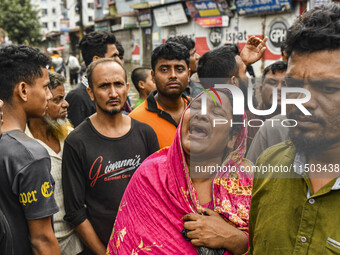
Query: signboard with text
x,y
170,15
145,18
252,7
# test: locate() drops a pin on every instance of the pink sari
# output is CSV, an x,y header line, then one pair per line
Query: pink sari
x,y
161,192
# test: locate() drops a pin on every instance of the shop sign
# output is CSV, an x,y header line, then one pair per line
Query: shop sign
x,y
170,15
277,35
252,7
145,18
65,25
220,21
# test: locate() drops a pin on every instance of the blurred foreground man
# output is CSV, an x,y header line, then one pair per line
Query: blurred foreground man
x,y
297,212
26,185
101,155
50,131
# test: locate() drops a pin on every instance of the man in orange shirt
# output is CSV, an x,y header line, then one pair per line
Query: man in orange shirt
x,y
162,110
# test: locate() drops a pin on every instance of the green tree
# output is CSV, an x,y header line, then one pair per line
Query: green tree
x,y
20,20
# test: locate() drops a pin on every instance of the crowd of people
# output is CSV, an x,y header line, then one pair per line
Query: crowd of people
x,y
183,172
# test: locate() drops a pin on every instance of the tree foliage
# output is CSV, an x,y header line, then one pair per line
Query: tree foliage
x,y
20,20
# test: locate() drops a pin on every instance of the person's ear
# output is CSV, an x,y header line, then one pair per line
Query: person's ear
x,y
153,76
95,58
235,81
90,92
189,74
141,85
128,86
22,90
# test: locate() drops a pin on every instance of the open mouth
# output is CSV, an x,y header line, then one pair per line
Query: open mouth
x,y
198,131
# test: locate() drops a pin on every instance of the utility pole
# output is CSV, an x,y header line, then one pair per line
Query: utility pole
x,y
81,25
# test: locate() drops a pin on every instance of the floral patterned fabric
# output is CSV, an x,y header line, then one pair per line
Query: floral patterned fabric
x,y
161,192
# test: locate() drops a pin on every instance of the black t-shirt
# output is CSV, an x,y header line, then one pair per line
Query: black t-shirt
x,y
80,105
26,188
96,170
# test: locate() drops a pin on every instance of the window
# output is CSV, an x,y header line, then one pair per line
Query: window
x,y
90,18
53,10
98,3
90,5
44,12
54,24
45,24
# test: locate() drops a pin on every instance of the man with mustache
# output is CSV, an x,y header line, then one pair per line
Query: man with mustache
x,y
101,155
50,131
295,211
163,108
193,89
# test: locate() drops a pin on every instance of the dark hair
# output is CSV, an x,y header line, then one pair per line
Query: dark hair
x,y
232,47
120,49
55,52
316,30
95,44
139,74
184,40
93,65
278,66
170,51
218,63
56,80
19,63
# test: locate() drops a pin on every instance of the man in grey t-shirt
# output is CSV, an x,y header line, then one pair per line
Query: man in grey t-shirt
x,y
26,186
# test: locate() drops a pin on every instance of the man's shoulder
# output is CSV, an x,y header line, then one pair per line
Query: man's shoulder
x,y
281,153
142,126
79,133
140,110
18,150
18,144
77,91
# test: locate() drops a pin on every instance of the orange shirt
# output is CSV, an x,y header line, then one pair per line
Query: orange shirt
x,y
162,123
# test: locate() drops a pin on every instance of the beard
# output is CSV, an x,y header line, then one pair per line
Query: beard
x,y
310,146
112,112
58,128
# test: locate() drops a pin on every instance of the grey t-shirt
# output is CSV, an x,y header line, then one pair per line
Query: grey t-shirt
x,y
26,187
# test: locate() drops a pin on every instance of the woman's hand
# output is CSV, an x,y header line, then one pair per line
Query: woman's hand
x,y
214,232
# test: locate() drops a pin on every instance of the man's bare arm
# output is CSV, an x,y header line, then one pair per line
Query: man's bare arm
x,y
43,240
90,238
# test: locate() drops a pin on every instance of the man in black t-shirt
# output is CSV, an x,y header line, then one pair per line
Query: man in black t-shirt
x,y
101,155
26,185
